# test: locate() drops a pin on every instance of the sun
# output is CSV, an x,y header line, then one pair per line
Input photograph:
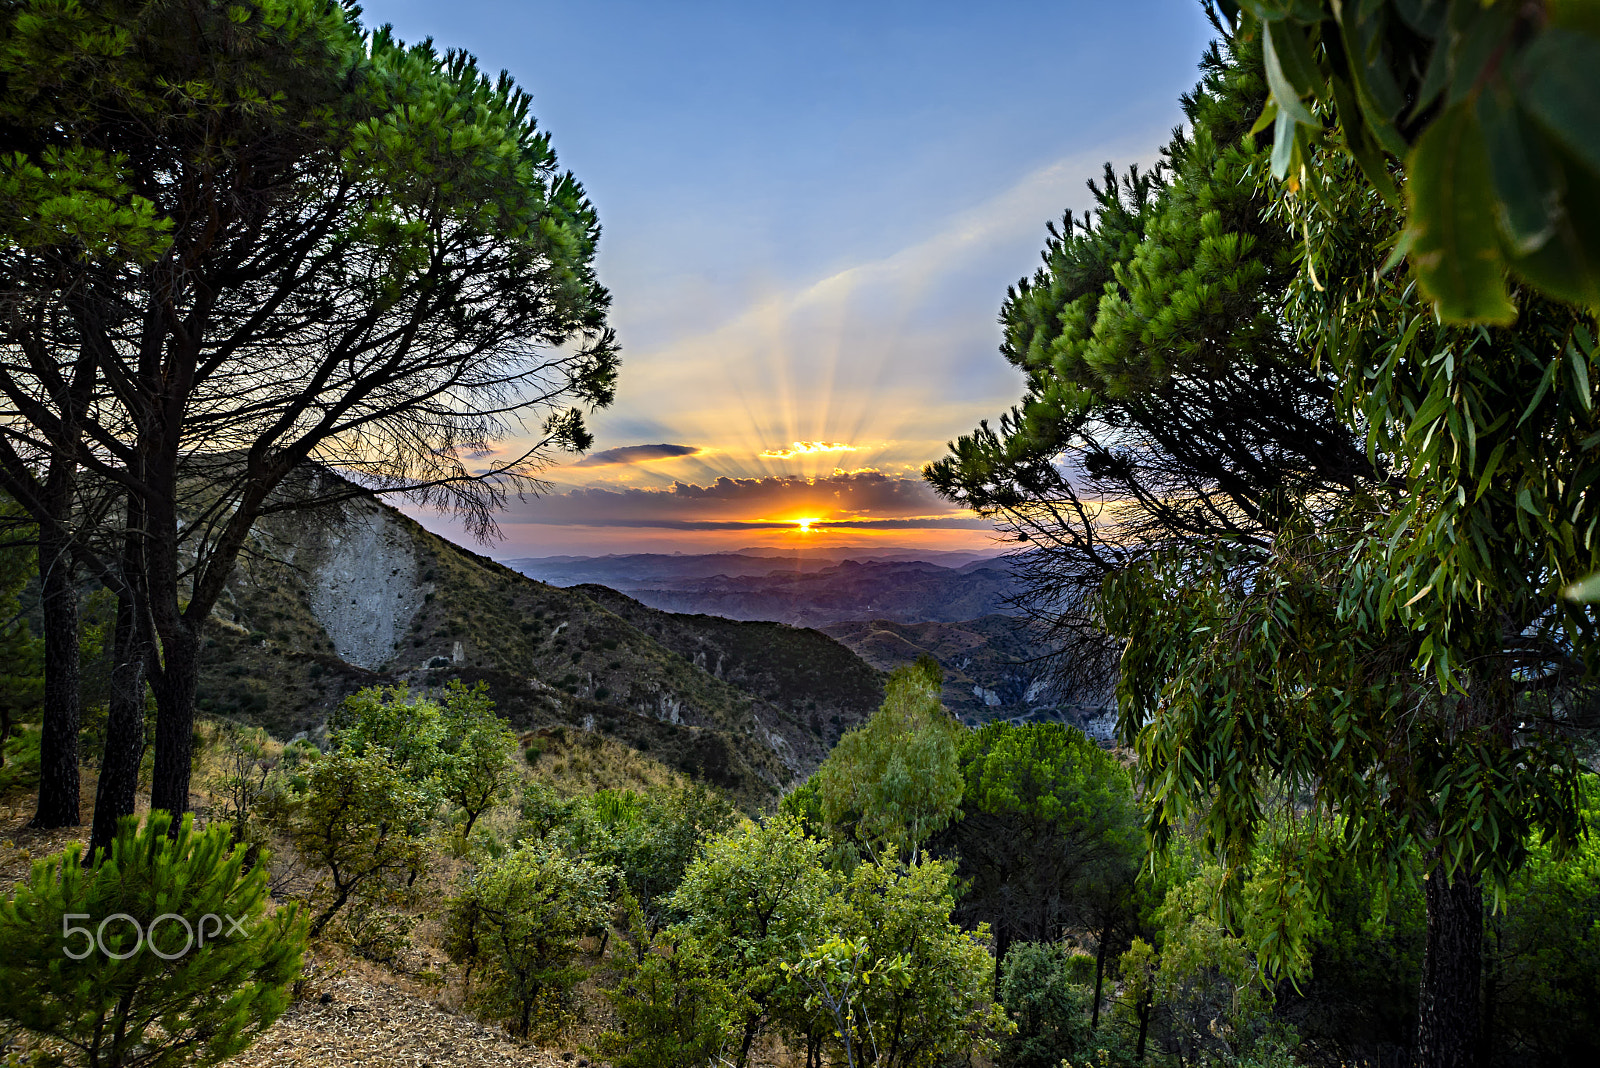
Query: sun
x,y
805,524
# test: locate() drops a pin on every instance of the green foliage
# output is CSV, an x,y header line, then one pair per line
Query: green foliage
x,y
668,831
917,986
1049,833
1207,988
361,820
1050,1011
475,767
206,1003
21,654
245,778
411,731
21,770
751,902
672,1005
1543,953
517,922
1493,107
894,781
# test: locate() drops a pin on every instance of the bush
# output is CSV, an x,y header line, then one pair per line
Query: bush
x,y
360,821
672,1006
21,768
474,769
1050,1010
64,929
517,922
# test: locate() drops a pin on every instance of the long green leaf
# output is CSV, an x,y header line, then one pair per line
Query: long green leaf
x,y
1456,252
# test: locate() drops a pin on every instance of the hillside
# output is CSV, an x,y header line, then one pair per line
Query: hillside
x,y
359,594
994,667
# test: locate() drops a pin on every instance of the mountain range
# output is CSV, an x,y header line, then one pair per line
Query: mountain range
x,y
805,590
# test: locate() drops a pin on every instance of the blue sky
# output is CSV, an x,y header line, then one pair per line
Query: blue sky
x,y
812,213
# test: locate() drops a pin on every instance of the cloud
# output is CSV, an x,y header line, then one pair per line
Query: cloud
x,y
805,448
636,454
853,499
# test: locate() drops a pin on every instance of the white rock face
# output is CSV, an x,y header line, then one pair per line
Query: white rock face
x,y
365,588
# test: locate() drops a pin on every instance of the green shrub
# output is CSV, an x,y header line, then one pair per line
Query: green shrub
x,y
77,969
21,770
1051,1012
672,1004
358,819
516,924
474,770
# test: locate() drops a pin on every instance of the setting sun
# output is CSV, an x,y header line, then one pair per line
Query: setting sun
x,y
805,524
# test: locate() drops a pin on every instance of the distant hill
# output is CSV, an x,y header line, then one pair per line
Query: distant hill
x,y
994,668
356,595
809,591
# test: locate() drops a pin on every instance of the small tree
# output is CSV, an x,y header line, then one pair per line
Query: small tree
x,y
361,822
1049,834
835,977
672,1005
246,775
476,770
895,781
163,954
1050,1010
411,730
751,901
927,987
655,849
520,918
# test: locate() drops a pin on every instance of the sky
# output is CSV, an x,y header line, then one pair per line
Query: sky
x,y
812,212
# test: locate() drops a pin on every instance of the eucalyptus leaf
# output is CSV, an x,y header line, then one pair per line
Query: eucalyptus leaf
x,y
1456,251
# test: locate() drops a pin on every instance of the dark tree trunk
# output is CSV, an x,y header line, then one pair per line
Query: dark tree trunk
x,y
1099,975
1002,944
1144,1027
752,1027
175,687
58,742
124,741
1448,1018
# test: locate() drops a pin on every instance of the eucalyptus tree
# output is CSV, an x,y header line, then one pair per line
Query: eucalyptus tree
x,y
1493,106
342,253
1377,645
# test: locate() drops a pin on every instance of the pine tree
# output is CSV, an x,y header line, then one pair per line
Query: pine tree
x,y
164,953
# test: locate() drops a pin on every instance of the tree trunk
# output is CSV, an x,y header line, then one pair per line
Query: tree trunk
x,y
1144,1026
175,692
1099,975
1002,944
124,741
58,742
1448,1017
752,1027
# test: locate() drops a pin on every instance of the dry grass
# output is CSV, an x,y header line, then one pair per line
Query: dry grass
x,y
576,763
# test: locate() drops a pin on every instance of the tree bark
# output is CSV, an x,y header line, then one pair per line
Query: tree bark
x,y
1099,975
124,741
58,742
175,686
1449,1014
1144,1026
